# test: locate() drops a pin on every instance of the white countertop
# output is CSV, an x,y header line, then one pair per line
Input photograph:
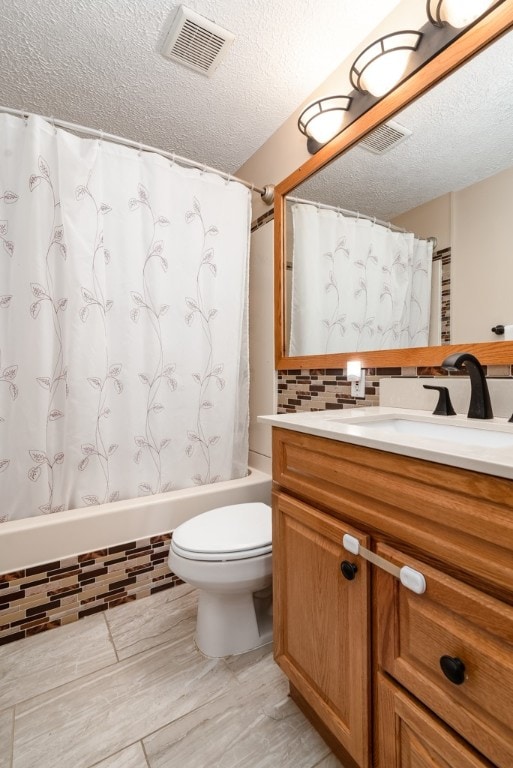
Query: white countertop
x,y
342,425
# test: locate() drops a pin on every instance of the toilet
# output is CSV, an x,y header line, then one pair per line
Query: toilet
x,y
226,553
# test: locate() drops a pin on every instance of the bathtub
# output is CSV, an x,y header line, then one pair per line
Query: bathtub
x,y
38,540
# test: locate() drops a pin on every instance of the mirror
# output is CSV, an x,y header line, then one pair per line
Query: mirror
x,y
451,179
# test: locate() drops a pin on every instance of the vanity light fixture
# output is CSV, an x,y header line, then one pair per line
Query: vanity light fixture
x,y
456,13
323,119
380,67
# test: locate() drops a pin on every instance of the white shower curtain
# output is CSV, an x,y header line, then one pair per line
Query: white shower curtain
x,y
356,285
123,326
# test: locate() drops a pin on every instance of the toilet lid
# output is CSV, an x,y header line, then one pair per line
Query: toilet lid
x,y
226,533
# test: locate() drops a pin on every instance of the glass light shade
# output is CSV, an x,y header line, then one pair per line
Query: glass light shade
x,y
384,73
326,125
459,13
382,65
323,119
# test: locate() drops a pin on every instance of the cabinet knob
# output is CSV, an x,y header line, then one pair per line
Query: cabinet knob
x,y
453,668
348,569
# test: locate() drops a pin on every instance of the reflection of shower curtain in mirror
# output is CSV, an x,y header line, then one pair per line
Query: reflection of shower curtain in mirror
x,y
356,285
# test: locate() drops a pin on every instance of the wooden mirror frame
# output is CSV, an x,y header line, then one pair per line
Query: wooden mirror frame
x,y
470,42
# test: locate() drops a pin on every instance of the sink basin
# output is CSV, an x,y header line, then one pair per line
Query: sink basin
x,y
483,437
479,445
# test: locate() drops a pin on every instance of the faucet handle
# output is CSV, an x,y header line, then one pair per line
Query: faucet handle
x,y
444,405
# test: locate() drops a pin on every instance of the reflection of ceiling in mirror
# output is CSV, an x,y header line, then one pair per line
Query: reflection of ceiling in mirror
x,y
462,132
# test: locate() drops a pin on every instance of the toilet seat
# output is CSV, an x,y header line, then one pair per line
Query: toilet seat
x,y
236,532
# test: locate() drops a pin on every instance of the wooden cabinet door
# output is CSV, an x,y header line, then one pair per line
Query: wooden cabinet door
x,y
321,620
409,736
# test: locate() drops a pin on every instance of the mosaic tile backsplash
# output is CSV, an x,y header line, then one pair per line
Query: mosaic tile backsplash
x,y
444,255
325,389
43,597
319,390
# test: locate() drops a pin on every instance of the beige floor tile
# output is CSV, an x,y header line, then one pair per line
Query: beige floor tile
x,y
84,722
131,757
39,663
149,622
192,712
6,729
248,667
251,726
330,761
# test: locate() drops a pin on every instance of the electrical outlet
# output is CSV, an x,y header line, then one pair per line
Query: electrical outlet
x,y
358,387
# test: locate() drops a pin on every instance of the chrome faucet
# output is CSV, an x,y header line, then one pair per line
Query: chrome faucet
x,y
480,406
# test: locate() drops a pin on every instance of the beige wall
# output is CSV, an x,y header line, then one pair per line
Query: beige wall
x,y
262,390
482,263
476,222
281,154
465,211
433,219
286,149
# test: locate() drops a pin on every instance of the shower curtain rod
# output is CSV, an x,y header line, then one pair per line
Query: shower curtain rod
x,y
353,214
267,193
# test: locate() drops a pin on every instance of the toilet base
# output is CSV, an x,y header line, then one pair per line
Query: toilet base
x,y
230,624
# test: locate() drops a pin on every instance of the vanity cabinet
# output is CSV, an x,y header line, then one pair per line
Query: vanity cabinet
x,y
364,655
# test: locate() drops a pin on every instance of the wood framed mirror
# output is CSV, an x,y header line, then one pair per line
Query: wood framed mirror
x,y
463,48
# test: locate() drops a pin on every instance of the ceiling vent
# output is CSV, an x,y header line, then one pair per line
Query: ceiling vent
x,y
385,137
196,42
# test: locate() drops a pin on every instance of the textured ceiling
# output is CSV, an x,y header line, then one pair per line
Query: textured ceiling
x,y
462,133
95,62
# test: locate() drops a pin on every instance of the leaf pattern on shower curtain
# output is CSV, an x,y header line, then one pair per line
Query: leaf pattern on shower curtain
x,y
417,333
8,374
96,304
56,379
366,322
210,372
7,198
336,319
144,303
391,332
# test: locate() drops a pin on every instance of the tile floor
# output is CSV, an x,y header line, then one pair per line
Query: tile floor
x,y
129,689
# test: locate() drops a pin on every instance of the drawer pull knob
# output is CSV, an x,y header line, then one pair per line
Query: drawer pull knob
x,y
453,668
348,570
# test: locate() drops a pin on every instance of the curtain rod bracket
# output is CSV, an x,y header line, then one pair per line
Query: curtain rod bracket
x,y
267,194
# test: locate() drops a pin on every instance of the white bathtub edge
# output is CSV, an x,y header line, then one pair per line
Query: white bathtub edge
x,y
36,541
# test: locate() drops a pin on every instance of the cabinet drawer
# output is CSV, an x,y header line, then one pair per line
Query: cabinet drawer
x,y
410,737
454,620
450,515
